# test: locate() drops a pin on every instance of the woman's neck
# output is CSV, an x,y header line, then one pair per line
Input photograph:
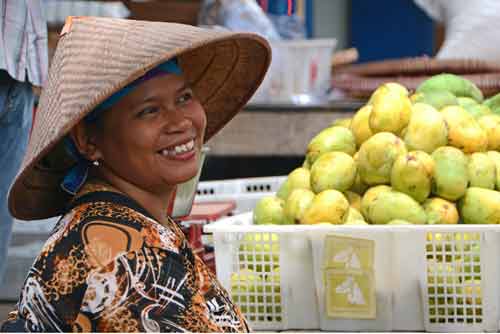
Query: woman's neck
x,y
155,203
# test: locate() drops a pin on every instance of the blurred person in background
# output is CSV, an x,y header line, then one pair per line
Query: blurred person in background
x,y
471,27
23,64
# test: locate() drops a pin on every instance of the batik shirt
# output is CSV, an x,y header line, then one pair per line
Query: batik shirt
x,y
109,266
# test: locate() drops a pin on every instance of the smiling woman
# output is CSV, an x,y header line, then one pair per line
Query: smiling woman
x,y
121,123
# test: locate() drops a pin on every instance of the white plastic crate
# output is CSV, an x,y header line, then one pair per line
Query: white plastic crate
x,y
410,292
246,192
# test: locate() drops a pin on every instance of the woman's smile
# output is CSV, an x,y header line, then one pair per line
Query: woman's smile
x,y
182,152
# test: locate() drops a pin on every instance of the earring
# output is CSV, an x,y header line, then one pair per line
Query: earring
x,y
95,162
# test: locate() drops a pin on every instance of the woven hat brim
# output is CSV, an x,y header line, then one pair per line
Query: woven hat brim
x,y
224,68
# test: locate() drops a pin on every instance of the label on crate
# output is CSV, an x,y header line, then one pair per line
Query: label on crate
x,y
348,253
350,294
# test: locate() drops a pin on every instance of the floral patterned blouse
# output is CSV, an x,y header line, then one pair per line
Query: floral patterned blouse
x,y
108,266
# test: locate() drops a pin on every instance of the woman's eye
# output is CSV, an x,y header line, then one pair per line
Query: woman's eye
x,y
185,97
148,111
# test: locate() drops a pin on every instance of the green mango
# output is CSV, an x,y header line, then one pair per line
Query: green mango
x,y
450,174
369,196
336,138
437,99
452,83
440,211
297,204
391,205
482,171
412,174
333,170
480,206
478,110
495,157
284,190
493,103
269,210
466,102
299,178
376,157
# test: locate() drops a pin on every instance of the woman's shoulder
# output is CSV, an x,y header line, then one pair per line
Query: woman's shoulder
x,y
109,228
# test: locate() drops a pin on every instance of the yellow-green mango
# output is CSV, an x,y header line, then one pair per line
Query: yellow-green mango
x,y
493,103
299,178
440,211
354,214
333,170
376,157
491,125
306,164
438,99
466,102
450,175
336,138
390,205
391,112
354,199
386,87
284,190
328,206
482,171
370,196
297,204
360,126
269,210
478,110
464,131
426,130
412,174
480,206
345,122
495,157
452,83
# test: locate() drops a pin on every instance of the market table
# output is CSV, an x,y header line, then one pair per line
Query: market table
x,y
277,129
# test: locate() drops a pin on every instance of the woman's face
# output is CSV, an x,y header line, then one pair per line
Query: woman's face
x,y
153,136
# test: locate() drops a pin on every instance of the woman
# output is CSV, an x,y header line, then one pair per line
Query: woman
x,y
121,122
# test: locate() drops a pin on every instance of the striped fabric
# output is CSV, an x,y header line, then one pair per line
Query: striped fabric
x,y
23,40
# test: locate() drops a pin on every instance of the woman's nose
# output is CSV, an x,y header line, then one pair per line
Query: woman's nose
x,y
176,121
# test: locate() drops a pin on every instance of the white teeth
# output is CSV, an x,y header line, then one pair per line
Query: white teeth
x,y
179,149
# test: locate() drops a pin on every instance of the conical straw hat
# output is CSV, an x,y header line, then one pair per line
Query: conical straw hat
x,y
96,57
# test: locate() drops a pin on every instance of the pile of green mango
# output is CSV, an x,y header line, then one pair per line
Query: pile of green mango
x,y
425,157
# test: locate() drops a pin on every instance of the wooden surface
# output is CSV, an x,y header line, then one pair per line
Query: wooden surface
x,y
272,133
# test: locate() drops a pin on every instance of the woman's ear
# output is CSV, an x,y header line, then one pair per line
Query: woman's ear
x,y
85,142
